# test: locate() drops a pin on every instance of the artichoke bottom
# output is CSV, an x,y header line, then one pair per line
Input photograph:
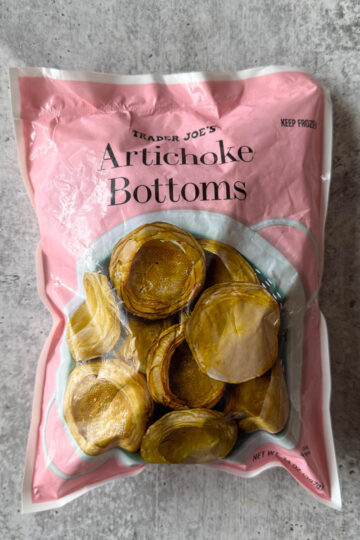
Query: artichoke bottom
x,y
224,264
106,404
233,331
94,327
173,376
261,403
189,436
157,269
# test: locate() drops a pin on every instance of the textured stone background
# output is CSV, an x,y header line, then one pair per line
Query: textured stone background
x,y
170,36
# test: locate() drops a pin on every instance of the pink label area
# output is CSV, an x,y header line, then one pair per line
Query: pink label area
x,y
100,154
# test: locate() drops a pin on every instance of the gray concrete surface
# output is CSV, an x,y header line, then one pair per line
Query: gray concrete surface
x,y
143,36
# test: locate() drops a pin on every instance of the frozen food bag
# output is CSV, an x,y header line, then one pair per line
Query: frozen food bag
x,y
181,224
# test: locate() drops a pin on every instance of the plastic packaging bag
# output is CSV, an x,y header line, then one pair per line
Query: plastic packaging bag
x,y
181,249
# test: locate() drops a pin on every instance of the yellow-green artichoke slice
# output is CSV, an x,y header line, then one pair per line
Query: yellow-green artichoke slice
x,y
173,376
139,339
233,331
261,403
94,328
224,264
157,269
189,436
107,404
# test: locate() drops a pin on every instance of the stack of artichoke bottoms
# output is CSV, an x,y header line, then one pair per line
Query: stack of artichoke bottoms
x,y
200,332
